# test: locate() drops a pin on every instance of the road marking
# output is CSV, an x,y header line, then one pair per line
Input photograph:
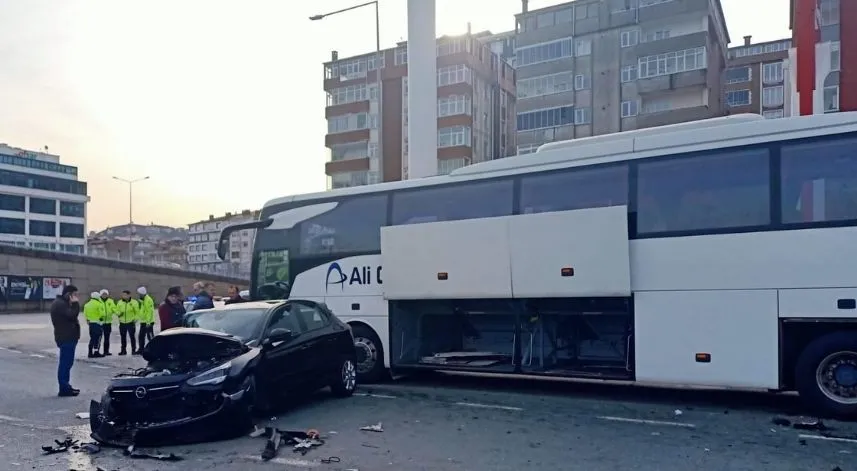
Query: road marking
x,y
487,406
832,439
37,355
645,421
11,350
379,396
10,419
100,367
286,461
21,327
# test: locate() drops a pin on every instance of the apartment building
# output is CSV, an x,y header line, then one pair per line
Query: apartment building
x,y
203,238
42,202
756,78
824,54
592,67
475,109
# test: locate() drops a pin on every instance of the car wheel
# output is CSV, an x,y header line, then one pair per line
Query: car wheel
x,y
346,382
826,375
370,355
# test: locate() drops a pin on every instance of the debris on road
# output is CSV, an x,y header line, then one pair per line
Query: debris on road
x,y
329,460
302,441
82,415
816,424
257,432
373,428
61,446
677,412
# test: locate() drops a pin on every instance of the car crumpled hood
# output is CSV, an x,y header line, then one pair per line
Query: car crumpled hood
x,y
189,343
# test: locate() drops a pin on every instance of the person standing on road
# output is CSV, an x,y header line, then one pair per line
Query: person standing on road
x,y
128,313
64,317
234,295
146,306
171,312
107,321
204,299
93,310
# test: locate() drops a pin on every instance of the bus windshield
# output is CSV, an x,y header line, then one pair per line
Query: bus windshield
x,y
271,261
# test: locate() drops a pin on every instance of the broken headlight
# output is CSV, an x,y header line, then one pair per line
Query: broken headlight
x,y
215,375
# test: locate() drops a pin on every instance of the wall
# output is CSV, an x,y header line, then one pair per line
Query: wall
x,y
93,274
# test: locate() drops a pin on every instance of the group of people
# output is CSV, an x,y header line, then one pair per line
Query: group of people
x,y
100,310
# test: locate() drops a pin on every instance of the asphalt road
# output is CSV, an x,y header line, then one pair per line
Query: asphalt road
x,y
434,424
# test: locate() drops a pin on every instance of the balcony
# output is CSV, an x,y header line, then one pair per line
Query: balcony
x,y
675,81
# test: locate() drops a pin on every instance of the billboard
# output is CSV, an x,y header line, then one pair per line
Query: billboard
x,y
14,288
52,287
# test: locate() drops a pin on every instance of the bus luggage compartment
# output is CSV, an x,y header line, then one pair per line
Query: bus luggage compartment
x,y
579,253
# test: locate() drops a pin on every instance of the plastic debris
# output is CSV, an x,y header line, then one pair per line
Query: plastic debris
x,y
82,415
61,446
373,428
331,459
131,452
816,424
677,412
257,432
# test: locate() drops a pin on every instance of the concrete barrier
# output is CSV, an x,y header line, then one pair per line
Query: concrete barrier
x,y
93,274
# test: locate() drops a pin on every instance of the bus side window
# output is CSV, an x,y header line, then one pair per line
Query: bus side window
x,y
819,181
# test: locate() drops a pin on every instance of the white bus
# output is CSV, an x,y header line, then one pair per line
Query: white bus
x,y
718,253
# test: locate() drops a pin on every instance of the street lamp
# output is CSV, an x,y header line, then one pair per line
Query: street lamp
x,y
130,213
378,62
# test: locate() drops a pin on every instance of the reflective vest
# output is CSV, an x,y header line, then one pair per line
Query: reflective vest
x,y
93,310
146,310
127,311
109,311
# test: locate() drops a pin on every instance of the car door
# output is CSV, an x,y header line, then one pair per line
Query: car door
x,y
320,338
285,364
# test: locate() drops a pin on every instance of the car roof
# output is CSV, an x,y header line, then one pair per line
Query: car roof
x,y
240,306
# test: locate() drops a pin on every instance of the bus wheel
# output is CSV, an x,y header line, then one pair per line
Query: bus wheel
x,y
826,375
370,355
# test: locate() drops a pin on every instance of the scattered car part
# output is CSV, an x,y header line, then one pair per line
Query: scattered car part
x,y
373,428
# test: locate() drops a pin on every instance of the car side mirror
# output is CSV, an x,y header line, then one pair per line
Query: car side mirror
x,y
277,335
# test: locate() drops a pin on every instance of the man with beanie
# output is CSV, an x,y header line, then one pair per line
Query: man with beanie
x,y
128,312
171,312
107,320
93,310
146,309
64,313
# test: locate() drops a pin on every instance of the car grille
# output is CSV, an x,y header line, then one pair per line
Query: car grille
x,y
162,403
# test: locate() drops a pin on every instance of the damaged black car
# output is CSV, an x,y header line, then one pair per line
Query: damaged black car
x,y
207,380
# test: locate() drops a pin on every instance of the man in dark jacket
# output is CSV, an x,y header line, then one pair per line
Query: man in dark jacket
x,y
64,313
204,299
172,311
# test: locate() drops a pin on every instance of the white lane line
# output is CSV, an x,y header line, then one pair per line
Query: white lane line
x,y
12,350
10,418
487,406
832,439
100,367
379,396
37,355
644,421
285,461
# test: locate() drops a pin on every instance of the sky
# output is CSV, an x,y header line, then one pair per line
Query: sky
x,y
220,102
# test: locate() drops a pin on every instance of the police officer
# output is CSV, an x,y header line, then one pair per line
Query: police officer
x,y
93,310
127,311
146,310
107,320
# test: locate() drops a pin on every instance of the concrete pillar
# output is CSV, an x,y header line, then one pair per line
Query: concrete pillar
x,y
422,89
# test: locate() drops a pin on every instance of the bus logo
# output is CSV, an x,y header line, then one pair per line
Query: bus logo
x,y
340,278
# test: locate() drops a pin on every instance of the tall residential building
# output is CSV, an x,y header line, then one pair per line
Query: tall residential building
x,y
757,78
202,245
591,67
42,203
152,244
475,109
824,56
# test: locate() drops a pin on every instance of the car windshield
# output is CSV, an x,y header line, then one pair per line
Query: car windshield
x,y
242,323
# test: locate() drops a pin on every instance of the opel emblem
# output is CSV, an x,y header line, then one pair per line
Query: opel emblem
x,y
140,392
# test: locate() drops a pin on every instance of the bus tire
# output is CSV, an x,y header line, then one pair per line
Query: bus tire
x,y
826,375
370,355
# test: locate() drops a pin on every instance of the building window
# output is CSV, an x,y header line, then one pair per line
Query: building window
x,y
68,208
582,12
453,74
11,226
12,203
831,99
349,151
629,108
819,181
453,202
672,62
567,190
353,226
829,12
773,114
546,52
547,118
43,228
704,192
351,122
772,72
452,46
582,47
629,73
739,75
40,182
446,166
658,35
453,105
629,38
738,97
582,116
582,82
772,96
71,230
545,85
349,179
453,136
349,94
656,106
401,56
43,206
37,164
835,56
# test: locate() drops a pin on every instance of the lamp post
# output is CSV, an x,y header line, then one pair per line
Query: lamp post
x,y
130,213
378,62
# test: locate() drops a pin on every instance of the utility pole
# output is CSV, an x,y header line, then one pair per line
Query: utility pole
x,y
130,213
